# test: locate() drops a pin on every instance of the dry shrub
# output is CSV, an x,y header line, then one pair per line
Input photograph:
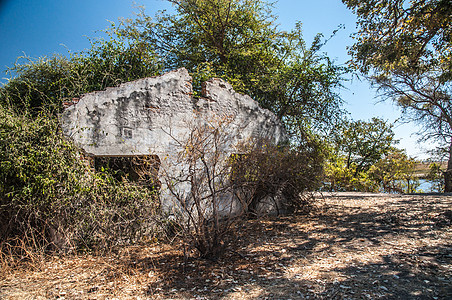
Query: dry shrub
x,y
277,179
197,183
214,192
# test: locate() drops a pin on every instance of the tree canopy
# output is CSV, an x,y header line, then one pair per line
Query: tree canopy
x,y
237,40
404,48
409,36
240,41
364,158
47,81
364,143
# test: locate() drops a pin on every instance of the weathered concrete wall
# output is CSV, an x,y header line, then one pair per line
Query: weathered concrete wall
x,y
137,118
156,115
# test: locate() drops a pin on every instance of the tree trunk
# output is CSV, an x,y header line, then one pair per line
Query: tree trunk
x,y
448,173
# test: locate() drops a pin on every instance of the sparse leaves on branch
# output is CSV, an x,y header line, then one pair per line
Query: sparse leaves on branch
x,y
405,49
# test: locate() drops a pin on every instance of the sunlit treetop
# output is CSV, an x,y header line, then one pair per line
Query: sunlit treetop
x,y
407,35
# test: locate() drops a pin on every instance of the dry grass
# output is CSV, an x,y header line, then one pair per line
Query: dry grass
x,y
352,246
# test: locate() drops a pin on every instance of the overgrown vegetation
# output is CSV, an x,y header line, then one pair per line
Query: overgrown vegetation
x,y
198,185
45,83
213,193
50,198
240,41
436,177
278,179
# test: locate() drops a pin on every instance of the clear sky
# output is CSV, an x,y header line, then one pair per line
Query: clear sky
x,y
42,27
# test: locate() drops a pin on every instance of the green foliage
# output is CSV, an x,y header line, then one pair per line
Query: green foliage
x,y
340,178
363,143
239,41
395,173
51,199
37,83
404,48
407,36
363,158
110,62
436,177
47,82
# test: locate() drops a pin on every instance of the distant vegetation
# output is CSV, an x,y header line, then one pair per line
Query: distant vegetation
x,y
364,158
423,168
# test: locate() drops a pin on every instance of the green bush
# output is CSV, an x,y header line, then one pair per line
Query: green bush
x,y
44,83
392,173
51,199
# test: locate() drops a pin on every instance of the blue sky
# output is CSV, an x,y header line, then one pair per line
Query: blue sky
x,y
42,27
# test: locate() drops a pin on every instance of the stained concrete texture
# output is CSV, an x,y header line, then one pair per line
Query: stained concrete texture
x,y
149,115
156,116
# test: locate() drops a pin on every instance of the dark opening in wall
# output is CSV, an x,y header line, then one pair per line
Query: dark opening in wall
x,y
142,170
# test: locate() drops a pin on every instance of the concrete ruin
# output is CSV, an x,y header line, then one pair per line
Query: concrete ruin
x,y
154,116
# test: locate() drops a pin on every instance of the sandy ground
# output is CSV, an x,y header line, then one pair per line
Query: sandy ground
x,y
351,246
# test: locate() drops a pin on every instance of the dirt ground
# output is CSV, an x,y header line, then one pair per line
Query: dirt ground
x,y
351,246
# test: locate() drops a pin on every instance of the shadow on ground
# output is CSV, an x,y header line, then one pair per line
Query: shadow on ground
x,y
339,252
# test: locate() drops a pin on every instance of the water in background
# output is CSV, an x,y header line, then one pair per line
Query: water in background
x,y
425,186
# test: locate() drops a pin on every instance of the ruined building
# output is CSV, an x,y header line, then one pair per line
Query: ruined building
x,y
154,116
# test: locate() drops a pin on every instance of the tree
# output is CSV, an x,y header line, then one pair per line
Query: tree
x,y
395,172
48,81
405,49
359,149
239,41
364,143
435,177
